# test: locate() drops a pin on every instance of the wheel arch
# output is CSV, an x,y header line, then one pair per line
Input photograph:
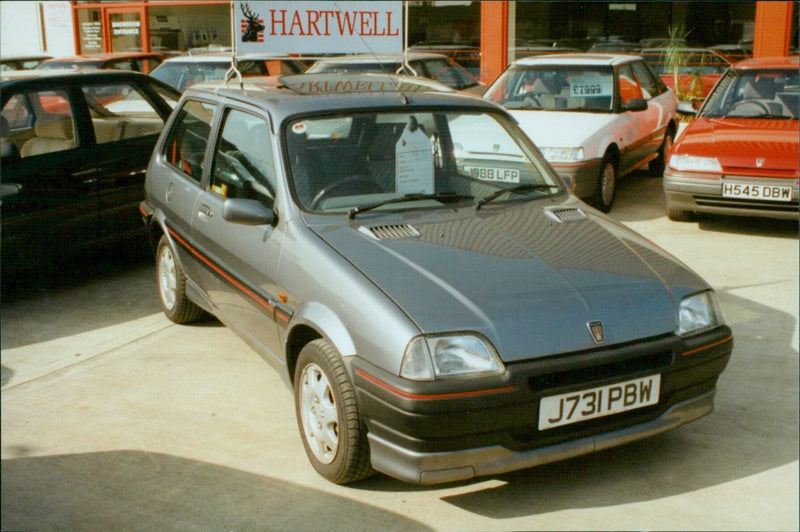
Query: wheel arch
x,y
311,321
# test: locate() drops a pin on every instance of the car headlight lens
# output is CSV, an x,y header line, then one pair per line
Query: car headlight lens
x,y
448,356
563,155
690,163
699,312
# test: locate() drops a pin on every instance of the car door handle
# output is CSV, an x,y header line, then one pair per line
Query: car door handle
x,y
206,211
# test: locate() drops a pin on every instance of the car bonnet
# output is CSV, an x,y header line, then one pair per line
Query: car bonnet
x,y
744,144
555,129
519,275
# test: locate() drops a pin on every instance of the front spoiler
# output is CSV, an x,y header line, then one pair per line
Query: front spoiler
x,y
440,467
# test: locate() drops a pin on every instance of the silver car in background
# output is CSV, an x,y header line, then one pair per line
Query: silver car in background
x,y
439,304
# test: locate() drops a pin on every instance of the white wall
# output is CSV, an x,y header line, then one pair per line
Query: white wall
x,y
20,31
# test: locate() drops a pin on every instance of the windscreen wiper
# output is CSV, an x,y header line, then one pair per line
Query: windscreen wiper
x,y
519,189
439,196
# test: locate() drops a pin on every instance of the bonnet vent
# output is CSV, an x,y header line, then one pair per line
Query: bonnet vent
x,y
384,232
565,215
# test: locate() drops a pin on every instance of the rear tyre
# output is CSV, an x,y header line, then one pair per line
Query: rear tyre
x,y
172,286
679,215
605,189
333,433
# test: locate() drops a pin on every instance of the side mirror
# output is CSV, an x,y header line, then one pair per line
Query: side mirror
x,y
636,104
247,212
687,108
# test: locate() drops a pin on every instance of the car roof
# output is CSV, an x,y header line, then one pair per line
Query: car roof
x,y
104,57
381,58
225,57
586,59
55,77
768,62
322,93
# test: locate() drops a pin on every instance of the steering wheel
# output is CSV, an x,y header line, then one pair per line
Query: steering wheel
x,y
352,184
750,103
532,101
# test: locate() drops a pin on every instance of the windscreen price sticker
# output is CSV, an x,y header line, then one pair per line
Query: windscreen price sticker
x,y
590,86
761,192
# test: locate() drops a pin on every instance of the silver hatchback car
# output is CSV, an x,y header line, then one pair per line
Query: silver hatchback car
x,y
440,305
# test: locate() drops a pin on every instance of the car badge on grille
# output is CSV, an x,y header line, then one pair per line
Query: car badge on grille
x,y
596,330
760,161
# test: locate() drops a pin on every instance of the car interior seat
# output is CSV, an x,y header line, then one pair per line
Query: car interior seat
x,y
548,91
52,134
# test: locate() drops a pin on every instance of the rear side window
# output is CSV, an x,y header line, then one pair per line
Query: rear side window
x,y
243,160
120,112
185,147
650,86
39,122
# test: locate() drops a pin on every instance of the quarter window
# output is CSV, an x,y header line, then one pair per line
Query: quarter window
x,y
243,160
650,86
120,112
185,146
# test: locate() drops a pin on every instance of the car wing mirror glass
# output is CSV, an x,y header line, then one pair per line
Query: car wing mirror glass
x,y
686,108
247,212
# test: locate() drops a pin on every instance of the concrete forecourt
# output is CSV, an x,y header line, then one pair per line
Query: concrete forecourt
x,y
115,418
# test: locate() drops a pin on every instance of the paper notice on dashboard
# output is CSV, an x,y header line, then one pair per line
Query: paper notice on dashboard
x,y
414,161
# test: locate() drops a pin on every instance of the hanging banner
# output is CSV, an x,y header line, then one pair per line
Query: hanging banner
x,y
318,27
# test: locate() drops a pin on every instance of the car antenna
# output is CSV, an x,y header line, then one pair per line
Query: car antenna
x,y
405,65
234,68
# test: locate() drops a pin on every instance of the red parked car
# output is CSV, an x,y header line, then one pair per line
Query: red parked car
x,y
740,154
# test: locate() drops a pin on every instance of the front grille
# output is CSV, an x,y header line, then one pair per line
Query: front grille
x,y
755,205
618,369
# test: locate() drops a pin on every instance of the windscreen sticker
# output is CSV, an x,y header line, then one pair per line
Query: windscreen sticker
x,y
591,85
299,128
414,161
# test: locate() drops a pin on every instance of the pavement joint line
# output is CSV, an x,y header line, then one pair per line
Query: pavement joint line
x,y
94,352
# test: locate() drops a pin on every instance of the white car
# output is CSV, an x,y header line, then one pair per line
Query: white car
x,y
595,117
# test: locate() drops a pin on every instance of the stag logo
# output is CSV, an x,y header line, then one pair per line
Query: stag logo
x,y
250,33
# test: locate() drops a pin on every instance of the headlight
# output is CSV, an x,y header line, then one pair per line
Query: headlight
x,y
690,163
699,312
563,155
440,357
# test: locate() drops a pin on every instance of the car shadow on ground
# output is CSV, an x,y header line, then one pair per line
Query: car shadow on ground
x,y
748,433
133,490
99,288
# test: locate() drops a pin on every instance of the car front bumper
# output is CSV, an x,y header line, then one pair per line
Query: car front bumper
x,y
695,192
583,175
434,432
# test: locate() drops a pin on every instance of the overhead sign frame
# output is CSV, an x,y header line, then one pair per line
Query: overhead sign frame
x,y
318,27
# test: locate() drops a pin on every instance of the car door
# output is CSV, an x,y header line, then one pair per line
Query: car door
x,y
126,120
239,273
50,202
638,128
176,189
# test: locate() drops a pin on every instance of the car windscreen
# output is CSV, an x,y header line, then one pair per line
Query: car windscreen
x,y
755,94
555,88
412,159
182,75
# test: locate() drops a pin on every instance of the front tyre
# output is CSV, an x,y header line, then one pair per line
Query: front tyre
x,y
172,286
334,436
605,189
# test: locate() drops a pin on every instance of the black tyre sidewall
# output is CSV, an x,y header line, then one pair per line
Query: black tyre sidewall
x,y
184,310
352,454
